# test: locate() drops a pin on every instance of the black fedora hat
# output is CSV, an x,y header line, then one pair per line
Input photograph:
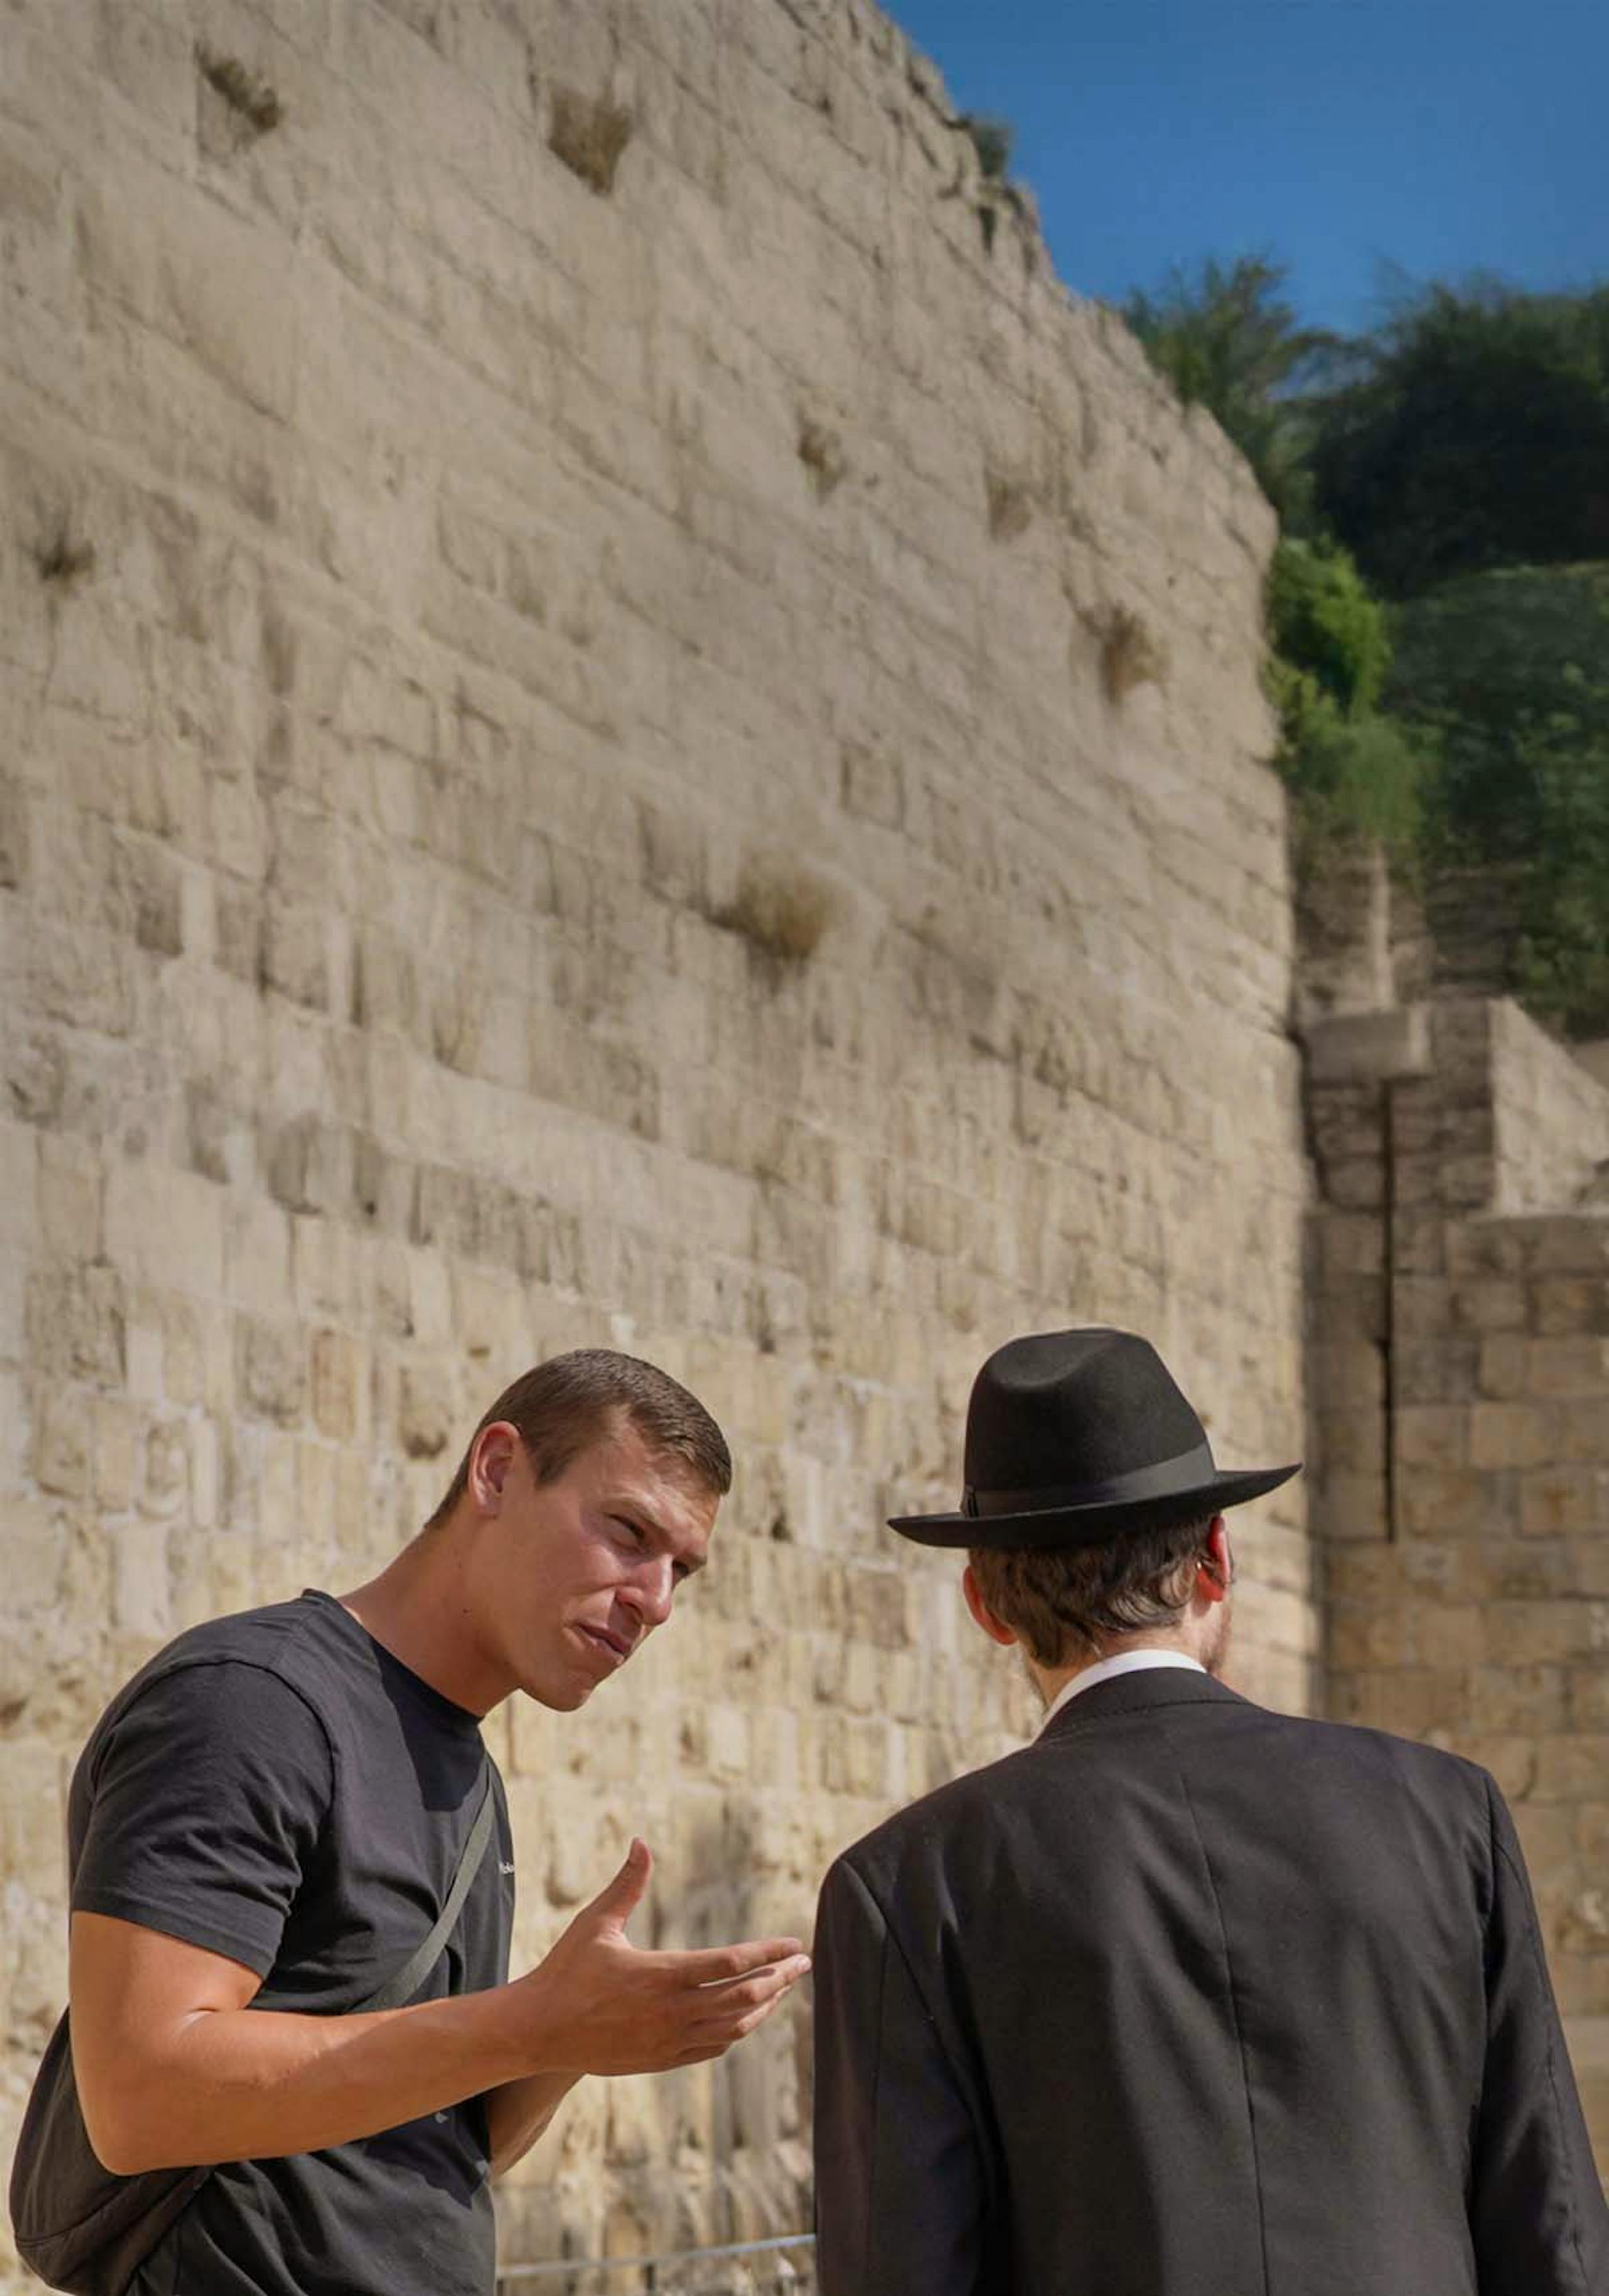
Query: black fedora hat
x,y
1075,1437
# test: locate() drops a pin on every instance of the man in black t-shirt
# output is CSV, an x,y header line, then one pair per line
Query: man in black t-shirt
x,y
266,1822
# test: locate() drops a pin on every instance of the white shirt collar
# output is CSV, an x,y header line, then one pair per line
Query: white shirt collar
x,y
1121,1662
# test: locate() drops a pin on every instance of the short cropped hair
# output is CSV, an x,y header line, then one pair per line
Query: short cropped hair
x,y
562,1407
1068,1602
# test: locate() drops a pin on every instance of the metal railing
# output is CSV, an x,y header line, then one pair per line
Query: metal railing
x,y
785,2266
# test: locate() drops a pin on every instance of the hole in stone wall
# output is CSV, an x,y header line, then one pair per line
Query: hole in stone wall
x,y
64,561
588,134
996,200
246,93
1010,506
1131,655
821,451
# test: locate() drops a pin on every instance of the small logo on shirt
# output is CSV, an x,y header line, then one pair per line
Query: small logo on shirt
x,y
502,1868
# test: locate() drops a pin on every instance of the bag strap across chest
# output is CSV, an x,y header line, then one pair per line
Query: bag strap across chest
x,y
405,1983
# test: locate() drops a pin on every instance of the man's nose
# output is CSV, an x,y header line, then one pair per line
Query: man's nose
x,y
651,1588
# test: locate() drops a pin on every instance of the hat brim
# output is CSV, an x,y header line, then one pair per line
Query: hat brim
x,y
1091,1526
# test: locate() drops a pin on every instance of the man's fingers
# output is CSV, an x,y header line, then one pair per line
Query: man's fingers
x,y
755,2017
728,2012
740,1993
717,1964
618,1899
711,2045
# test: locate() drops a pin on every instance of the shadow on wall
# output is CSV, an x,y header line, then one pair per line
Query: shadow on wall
x,y
761,2087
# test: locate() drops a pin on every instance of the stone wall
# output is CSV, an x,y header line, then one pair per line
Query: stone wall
x,y
1459,1456
1550,1119
619,724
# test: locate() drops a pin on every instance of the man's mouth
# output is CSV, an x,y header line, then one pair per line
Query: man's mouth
x,y
616,1647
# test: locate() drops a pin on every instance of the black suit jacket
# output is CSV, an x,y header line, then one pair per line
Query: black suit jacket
x,y
1192,1999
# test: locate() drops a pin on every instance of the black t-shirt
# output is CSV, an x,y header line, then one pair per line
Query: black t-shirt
x,y
278,1788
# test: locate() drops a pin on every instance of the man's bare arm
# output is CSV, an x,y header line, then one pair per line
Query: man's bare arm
x,y
175,2070
518,2113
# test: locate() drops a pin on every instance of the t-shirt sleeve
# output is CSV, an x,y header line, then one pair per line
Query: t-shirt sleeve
x,y
208,1795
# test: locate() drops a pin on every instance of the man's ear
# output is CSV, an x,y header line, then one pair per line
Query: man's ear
x,y
491,1456
994,1628
1217,1562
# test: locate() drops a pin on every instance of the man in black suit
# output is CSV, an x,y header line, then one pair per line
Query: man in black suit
x,y
1187,1998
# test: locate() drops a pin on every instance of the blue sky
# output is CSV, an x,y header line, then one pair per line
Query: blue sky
x,y
1441,136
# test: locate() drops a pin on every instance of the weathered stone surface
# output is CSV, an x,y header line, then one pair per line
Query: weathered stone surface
x,y
1369,1047
1469,1594
497,852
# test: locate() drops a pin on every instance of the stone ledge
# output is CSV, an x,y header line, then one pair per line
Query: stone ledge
x,y
1369,1047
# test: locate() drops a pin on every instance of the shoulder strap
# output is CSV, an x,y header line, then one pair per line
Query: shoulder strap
x,y
407,1980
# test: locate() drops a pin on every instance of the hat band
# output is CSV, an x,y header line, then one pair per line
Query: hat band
x,y
1190,1470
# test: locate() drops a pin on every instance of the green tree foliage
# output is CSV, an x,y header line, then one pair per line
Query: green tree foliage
x,y
1460,464
1227,340
1507,674
1473,431
1353,777
1355,773
1324,620
993,140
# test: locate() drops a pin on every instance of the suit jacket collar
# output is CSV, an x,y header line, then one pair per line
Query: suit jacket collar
x,y
1138,1693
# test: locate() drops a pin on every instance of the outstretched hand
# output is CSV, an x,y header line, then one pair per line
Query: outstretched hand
x,y
600,2005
